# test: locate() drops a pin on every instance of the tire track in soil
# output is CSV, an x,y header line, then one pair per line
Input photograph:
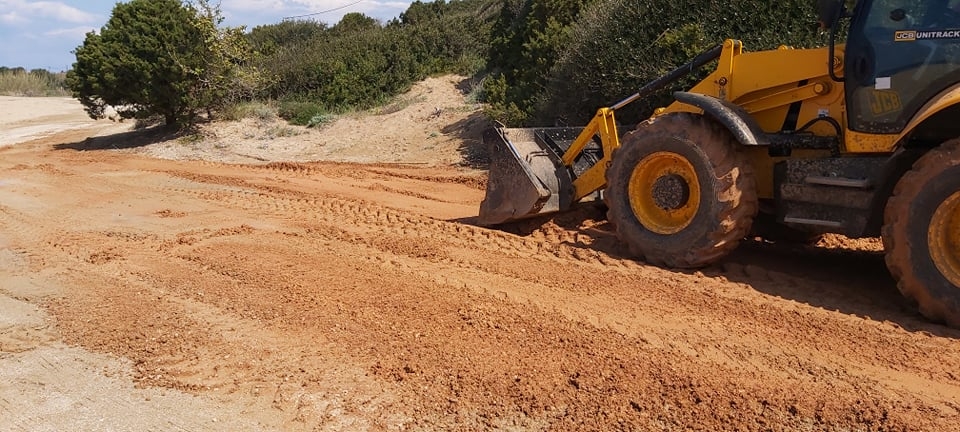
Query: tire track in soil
x,y
296,207
479,328
170,352
73,245
43,252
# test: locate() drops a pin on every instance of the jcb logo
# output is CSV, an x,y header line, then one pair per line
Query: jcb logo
x,y
884,102
905,36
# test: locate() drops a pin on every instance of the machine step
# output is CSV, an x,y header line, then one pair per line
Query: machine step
x,y
853,183
815,222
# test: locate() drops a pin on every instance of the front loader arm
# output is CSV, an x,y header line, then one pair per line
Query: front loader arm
x,y
528,176
605,126
594,178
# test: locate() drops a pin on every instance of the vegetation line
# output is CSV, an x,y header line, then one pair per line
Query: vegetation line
x,y
37,82
530,62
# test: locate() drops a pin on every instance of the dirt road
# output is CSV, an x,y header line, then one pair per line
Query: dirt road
x,y
146,294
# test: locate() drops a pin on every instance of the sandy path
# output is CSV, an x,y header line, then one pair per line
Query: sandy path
x,y
25,118
336,296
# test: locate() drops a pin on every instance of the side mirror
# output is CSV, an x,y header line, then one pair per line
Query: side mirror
x,y
828,11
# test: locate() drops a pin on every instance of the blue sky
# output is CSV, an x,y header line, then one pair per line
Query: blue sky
x,y
41,34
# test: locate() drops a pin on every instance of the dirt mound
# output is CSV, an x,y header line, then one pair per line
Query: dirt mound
x,y
432,124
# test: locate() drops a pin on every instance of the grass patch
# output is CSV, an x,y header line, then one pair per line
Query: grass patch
x,y
399,103
476,93
33,83
281,132
321,120
261,111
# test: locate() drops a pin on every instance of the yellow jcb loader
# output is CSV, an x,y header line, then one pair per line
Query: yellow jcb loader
x,y
860,138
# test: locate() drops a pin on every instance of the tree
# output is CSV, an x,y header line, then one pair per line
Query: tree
x,y
224,77
149,59
606,60
562,59
267,39
356,22
360,62
527,39
420,13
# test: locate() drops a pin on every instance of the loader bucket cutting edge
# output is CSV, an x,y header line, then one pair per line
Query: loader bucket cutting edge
x,y
526,176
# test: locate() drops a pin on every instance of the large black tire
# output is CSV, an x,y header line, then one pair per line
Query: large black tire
x,y
680,220
921,234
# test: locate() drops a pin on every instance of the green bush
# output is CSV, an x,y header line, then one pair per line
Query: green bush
x,y
526,40
360,63
253,109
300,113
503,109
321,120
605,63
158,57
267,40
571,63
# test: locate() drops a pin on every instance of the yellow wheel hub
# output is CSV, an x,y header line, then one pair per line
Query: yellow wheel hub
x,y
664,192
944,238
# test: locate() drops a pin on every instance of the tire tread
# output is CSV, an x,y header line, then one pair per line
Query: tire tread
x,y
737,190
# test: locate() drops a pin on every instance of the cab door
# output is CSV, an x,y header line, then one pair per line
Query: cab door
x,y
899,54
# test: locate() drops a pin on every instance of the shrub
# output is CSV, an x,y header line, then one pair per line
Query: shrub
x,y
157,57
267,40
321,120
300,113
605,63
241,110
567,63
526,40
360,63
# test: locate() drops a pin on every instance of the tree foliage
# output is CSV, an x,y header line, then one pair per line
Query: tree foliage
x,y
526,40
267,40
360,62
610,48
156,57
605,63
541,59
225,76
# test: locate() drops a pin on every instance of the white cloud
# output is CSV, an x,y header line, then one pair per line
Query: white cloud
x,y
314,6
30,10
255,5
71,33
12,17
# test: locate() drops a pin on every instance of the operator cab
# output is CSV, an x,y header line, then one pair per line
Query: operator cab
x,y
899,54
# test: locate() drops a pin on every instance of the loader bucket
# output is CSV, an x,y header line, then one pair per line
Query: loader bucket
x,y
527,177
